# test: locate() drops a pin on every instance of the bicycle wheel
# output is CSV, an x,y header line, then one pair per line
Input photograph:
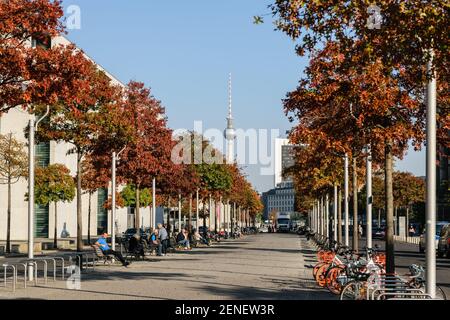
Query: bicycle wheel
x,y
316,268
440,294
332,282
320,276
353,290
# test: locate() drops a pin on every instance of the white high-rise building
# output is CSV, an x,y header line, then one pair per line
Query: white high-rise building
x,y
283,158
230,132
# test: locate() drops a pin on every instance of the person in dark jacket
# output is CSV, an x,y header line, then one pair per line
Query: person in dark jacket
x,y
136,245
183,239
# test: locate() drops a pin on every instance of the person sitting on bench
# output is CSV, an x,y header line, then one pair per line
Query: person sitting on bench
x,y
182,239
155,242
136,245
198,237
103,245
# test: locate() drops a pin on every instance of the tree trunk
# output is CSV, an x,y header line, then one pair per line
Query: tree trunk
x,y
355,206
190,214
339,230
179,212
79,211
210,212
204,215
379,218
389,204
137,215
89,219
395,220
8,224
215,216
407,223
168,217
55,237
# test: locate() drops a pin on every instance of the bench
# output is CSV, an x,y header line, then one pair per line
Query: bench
x,y
101,256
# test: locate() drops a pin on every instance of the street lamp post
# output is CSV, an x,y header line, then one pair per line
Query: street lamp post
x,y
33,127
316,217
115,158
369,198
431,181
346,213
31,196
319,213
154,203
335,215
179,213
196,211
327,216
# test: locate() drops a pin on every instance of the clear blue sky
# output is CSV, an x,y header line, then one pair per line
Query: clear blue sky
x,y
184,51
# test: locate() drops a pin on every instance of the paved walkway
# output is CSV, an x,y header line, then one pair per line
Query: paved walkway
x,y
264,266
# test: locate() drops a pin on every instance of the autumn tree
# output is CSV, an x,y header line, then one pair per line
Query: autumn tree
x,y
129,196
41,73
94,177
13,166
148,155
353,107
216,179
54,184
401,43
80,122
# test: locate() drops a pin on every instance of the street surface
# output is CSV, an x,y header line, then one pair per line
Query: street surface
x,y
264,266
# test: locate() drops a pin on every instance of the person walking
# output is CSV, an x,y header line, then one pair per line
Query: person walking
x,y
360,231
164,238
412,231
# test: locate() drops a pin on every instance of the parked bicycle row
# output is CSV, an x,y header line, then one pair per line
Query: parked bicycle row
x,y
354,275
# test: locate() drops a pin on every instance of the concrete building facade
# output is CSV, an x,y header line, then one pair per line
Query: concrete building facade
x,y
280,199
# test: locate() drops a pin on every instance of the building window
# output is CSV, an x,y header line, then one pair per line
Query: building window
x,y
41,218
41,221
102,213
43,154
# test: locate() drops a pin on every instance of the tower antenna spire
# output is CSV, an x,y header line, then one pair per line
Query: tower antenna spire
x,y
230,101
230,132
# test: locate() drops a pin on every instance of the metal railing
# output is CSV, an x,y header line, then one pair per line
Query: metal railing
x,y
13,275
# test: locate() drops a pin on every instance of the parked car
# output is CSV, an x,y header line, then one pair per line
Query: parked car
x,y
444,242
439,226
379,233
263,229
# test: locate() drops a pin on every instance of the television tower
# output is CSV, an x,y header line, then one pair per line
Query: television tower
x,y
230,132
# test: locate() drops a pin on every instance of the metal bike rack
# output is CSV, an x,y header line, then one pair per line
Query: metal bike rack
x,y
14,275
390,286
62,265
411,295
49,259
82,259
35,262
25,271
